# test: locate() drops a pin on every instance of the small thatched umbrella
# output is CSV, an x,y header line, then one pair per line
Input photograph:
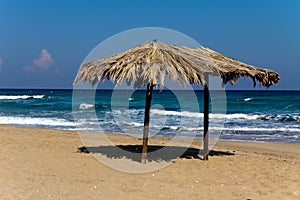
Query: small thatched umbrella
x,y
149,64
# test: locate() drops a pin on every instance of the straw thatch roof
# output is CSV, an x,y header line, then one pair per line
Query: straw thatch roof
x,y
152,61
230,70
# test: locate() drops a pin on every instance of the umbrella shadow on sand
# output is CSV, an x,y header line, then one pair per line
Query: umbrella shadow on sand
x,y
156,153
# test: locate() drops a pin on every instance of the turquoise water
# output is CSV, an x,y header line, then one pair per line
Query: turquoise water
x,y
239,115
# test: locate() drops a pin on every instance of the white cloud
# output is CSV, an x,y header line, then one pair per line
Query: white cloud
x,y
44,60
42,63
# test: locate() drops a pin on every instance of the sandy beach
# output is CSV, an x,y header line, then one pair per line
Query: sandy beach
x,y
39,163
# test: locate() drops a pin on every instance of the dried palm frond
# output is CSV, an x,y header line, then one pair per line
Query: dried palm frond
x,y
153,61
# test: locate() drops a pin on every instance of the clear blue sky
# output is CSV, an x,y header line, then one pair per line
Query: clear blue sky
x,y
43,42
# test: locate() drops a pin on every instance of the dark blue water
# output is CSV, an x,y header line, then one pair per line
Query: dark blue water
x,y
235,115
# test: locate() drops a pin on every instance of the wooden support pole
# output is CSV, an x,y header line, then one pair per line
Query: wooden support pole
x,y
206,119
146,122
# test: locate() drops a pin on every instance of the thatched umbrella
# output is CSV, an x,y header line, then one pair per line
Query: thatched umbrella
x,y
151,62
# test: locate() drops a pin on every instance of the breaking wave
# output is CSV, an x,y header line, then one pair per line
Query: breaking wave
x,y
14,97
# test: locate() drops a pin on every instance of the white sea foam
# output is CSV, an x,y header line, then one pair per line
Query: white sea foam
x,y
200,115
259,129
135,124
85,106
221,128
248,99
176,113
14,97
241,116
214,117
35,121
234,129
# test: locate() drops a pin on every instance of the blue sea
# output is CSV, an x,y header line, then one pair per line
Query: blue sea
x,y
264,115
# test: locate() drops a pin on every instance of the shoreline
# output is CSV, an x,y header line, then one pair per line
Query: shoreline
x,y
42,163
117,133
